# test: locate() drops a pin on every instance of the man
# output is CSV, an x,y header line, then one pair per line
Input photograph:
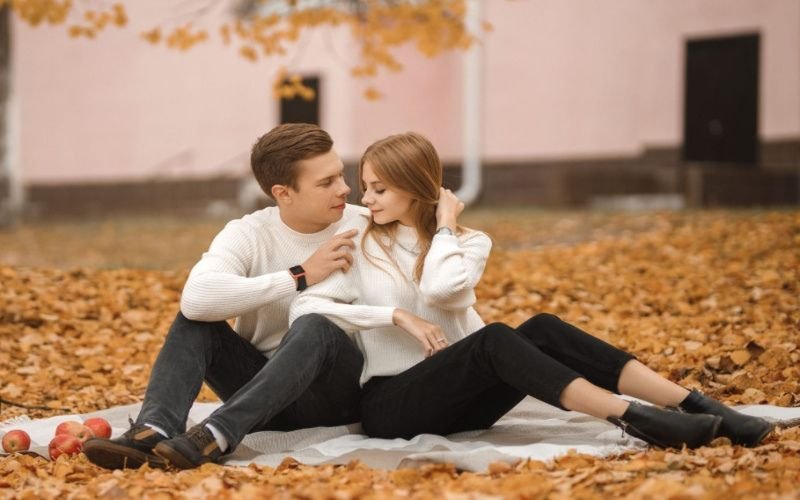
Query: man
x,y
269,376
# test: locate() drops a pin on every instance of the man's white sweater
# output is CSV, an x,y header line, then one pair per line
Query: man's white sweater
x,y
245,274
363,300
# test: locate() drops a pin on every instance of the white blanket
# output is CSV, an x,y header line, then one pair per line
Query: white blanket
x,y
531,430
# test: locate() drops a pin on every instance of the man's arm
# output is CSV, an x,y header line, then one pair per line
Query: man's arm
x,y
334,297
219,288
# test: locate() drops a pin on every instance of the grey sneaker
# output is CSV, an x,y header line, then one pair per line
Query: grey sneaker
x,y
195,447
129,451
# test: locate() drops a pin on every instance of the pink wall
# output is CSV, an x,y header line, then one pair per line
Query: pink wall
x,y
425,97
562,78
118,108
593,78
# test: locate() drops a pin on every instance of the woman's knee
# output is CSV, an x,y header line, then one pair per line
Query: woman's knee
x,y
539,321
492,336
496,328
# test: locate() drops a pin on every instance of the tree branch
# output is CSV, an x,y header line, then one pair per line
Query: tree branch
x,y
30,407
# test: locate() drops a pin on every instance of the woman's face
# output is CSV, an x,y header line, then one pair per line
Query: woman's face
x,y
387,205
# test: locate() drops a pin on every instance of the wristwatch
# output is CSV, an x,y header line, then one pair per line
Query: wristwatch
x,y
299,275
445,230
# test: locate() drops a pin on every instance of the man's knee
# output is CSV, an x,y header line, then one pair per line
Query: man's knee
x,y
311,320
187,329
318,328
181,325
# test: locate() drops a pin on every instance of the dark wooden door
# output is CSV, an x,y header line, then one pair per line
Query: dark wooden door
x,y
721,101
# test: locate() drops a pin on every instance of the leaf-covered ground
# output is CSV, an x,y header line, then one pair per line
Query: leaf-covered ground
x,y
709,299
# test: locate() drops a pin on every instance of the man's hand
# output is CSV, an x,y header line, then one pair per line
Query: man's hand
x,y
448,209
332,255
428,334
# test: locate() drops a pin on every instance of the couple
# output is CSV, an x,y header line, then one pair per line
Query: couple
x,y
420,360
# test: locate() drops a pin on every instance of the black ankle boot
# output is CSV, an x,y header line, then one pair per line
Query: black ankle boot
x,y
738,427
667,429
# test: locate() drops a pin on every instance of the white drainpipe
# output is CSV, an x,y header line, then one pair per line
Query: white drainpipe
x,y
11,161
471,109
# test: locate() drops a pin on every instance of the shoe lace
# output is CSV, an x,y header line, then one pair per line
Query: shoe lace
x,y
199,436
134,429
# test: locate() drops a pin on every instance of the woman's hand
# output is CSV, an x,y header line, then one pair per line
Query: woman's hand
x,y
428,334
448,209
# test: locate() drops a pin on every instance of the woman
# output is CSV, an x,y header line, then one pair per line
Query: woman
x,y
432,366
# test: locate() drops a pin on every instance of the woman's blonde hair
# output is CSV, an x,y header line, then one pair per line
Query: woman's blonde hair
x,y
410,164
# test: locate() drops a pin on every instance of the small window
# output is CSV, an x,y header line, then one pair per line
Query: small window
x,y
299,110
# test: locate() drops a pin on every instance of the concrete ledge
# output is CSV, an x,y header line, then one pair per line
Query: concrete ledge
x,y
188,195
657,172
725,185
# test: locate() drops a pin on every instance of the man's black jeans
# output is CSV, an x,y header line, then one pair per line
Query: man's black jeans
x,y
311,380
472,383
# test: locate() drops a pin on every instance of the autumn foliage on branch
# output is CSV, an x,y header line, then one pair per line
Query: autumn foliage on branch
x,y
259,29
82,19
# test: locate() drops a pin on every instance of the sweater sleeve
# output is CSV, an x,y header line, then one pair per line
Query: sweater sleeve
x,y
334,298
220,287
453,267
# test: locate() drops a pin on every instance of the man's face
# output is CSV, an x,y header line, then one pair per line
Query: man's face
x,y
321,193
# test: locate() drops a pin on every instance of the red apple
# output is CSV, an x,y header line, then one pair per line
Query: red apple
x,y
75,429
16,440
64,444
99,427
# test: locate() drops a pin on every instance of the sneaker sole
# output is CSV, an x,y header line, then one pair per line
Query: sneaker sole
x,y
174,457
113,456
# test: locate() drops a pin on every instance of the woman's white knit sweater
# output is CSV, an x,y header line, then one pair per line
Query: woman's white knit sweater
x,y
245,274
363,300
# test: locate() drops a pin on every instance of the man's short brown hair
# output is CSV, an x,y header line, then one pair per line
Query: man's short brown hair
x,y
276,153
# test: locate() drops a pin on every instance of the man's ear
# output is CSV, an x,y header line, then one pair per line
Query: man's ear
x,y
281,193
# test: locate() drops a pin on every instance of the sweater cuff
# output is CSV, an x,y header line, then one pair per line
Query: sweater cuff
x,y
448,241
279,284
446,237
378,316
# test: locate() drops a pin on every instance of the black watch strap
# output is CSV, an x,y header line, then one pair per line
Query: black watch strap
x,y
299,275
